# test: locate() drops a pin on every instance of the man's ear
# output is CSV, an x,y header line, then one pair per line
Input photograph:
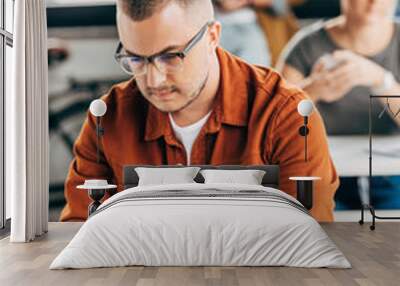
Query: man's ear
x,y
214,35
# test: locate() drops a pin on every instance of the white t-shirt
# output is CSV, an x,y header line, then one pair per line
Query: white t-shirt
x,y
188,134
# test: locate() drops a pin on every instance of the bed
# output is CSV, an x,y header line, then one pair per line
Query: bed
x,y
201,224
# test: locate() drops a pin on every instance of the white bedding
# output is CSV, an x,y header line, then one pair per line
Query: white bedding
x,y
233,230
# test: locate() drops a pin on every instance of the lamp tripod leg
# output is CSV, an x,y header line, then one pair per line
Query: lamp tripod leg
x,y
361,221
372,210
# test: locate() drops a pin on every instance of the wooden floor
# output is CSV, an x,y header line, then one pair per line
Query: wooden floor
x,y
374,255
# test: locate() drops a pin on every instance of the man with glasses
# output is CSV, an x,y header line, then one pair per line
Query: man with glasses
x,y
191,102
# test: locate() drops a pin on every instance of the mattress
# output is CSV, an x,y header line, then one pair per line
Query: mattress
x,y
201,225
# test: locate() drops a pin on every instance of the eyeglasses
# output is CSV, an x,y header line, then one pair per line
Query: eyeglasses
x,y
167,63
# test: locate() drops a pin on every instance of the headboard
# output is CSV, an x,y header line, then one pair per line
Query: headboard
x,y
270,179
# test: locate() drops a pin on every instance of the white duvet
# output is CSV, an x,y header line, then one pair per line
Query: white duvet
x,y
203,231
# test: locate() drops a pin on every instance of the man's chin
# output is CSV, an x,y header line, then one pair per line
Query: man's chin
x,y
168,107
174,102
165,103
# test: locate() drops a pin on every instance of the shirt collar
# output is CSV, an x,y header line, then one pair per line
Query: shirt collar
x,y
231,105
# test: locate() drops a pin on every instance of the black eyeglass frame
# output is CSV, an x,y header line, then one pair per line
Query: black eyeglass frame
x,y
182,54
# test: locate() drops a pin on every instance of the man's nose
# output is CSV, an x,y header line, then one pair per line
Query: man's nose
x,y
155,78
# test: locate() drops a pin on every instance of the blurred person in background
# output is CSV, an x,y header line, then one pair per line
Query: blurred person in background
x,y
340,62
256,30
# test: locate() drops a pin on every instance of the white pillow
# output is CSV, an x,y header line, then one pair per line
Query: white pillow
x,y
163,176
249,177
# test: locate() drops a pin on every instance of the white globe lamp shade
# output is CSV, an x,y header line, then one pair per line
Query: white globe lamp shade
x,y
305,107
98,108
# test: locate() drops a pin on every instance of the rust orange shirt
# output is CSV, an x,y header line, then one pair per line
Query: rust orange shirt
x,y
254,121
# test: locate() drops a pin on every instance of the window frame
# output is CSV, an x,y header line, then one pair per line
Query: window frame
x,y
6,39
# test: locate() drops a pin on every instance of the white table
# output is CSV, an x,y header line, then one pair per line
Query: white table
x,y
351,157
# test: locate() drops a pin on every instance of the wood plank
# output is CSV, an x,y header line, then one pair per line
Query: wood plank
x,y
375,257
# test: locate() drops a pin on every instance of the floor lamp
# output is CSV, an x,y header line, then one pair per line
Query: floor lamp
x,y
305,185
97,188
369,206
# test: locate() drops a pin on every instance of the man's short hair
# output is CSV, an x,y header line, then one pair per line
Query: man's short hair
x,y
139,10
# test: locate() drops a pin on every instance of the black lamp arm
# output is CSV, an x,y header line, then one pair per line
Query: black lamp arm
x,y
304,131
99,133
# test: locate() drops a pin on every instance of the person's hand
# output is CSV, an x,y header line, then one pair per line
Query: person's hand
x,y
319,85
352,70
357,70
